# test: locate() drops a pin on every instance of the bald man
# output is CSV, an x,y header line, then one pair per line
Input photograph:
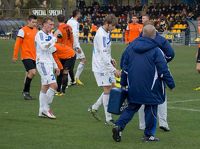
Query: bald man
x,y
145,68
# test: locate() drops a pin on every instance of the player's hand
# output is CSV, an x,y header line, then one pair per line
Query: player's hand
x,y
56,33
114,63
47,46
14,60
57,71
117,73
78,50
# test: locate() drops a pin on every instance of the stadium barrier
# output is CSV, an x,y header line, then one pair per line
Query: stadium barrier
x,y
175,38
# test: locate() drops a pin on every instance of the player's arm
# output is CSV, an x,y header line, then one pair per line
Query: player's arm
x,y
167,49
163,70
127,34
76,37
55,56
106,57
55,66
18,44
124,68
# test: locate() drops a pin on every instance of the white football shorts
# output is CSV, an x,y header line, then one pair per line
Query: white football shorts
x,y
80,55
104,79
46,72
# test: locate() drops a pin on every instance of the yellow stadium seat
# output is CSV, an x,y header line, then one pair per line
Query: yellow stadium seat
x,y
81,35
118,30
197,39
169,36
112,35
89,35
175,26
114,31
173,31
120,35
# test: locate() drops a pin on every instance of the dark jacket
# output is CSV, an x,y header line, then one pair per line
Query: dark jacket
x,y
145,71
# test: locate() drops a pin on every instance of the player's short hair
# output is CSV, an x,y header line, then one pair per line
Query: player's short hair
x,y
110,19
61,18
150,22
134,16
32,17
46,19
146,15
75,13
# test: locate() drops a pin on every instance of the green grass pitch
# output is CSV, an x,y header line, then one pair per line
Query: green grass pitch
x,y
74,128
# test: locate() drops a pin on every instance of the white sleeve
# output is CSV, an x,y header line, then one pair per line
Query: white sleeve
x,y
76,36
75,29
105,53
43,43
20,33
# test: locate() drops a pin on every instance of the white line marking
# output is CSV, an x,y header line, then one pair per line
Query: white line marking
x,y
182,101
184,109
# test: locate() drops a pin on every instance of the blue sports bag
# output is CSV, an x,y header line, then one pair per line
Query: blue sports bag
x,y
116,101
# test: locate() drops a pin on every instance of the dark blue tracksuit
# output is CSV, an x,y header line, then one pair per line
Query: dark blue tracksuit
x,y
145,67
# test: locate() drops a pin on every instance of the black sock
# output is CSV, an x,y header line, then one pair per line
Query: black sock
x,y
64,82
27,85
59,82
71,74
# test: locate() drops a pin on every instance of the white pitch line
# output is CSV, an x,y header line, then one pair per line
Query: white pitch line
x,y
184,109
182,101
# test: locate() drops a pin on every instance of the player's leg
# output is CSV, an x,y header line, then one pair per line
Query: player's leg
x,y
123,120
59,78
48,90
106,95
141,115
43,102
94,108
71,79
162,116
151,121
30,67
64,80
50,93
98,103
51,90
59,81
80,68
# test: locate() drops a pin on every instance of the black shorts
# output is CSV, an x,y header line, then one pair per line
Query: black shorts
x,y
29,64
93,33
68,64
198,56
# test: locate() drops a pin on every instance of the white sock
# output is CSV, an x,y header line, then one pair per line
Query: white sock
x,y
50,94
105,104
98,103
43,102
141,115
69,79
79,70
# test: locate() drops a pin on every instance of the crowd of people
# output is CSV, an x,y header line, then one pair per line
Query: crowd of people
x,y
165,16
